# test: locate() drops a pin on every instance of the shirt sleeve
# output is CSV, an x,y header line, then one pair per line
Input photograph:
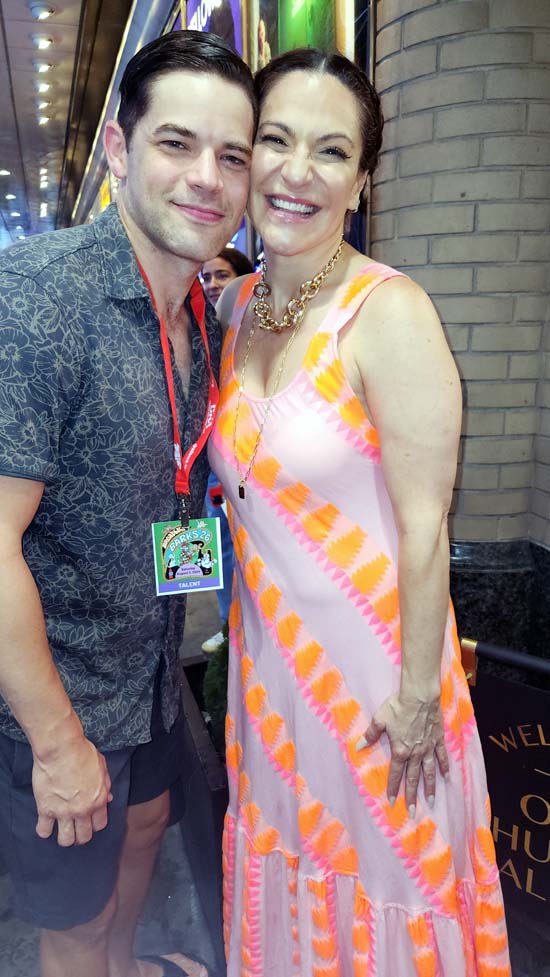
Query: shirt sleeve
x,y
39,378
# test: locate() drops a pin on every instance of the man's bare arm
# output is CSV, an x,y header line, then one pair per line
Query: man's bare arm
x,y
70,780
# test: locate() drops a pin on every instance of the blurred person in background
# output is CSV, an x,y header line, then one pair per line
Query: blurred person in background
x,y
215,275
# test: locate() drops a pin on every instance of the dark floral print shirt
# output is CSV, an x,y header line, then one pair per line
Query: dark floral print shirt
x,y
84,408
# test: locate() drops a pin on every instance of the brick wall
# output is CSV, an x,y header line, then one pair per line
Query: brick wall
x,y
461,201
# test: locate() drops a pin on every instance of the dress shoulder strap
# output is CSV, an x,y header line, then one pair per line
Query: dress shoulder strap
x,y
355,292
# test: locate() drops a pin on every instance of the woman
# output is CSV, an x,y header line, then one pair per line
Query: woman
x,y
357,838
218,272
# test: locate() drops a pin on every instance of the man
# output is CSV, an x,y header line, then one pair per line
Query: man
x,y
88,655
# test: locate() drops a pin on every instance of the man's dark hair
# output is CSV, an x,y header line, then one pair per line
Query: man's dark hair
x,y
178,51
240,264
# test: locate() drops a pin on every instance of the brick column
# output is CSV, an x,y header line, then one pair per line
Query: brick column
x,y
462,203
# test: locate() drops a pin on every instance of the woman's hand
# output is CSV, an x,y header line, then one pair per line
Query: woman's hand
x,y
415,730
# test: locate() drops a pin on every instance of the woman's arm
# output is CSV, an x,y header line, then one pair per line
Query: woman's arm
x,y
412,390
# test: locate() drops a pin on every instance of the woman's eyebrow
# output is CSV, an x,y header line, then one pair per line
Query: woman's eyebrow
x,y
280,125
336,135
290,132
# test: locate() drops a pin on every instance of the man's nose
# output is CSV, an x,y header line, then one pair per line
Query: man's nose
x,y
205,171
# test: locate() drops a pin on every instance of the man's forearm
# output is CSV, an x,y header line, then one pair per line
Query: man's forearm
x,y
29,681
424,606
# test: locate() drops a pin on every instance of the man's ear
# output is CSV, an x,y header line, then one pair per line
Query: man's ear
x,y
114,143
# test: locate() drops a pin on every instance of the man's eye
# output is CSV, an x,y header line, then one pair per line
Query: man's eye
x,y
174,144
235,160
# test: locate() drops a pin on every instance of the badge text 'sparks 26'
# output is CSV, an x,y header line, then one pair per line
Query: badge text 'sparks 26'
x,y
187,558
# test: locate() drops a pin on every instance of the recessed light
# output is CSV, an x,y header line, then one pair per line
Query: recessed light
x,y
15,213
43,120
43,171
5,172
21,237
44,209
42,66
43,105
43,87
10,196
41,41
41,11
18,227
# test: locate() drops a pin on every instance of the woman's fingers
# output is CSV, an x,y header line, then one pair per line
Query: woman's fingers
x,y
397,769
428,774
442,757
371,734
414,766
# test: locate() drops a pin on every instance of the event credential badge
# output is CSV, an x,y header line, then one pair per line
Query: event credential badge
x,y
187,558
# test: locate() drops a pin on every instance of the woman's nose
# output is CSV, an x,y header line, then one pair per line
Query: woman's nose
x,y
297,168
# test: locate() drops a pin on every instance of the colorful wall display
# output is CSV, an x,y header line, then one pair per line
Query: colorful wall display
x,y
221,17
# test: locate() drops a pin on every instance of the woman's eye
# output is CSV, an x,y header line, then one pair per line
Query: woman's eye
x,y
276,140
337,152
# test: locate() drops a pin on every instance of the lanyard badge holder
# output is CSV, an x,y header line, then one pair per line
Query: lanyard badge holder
x,y
187,552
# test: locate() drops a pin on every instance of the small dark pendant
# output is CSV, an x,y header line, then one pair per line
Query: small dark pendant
x,y
241,490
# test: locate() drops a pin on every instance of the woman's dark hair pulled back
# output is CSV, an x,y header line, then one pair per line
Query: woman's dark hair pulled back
x,y
178,51
355,80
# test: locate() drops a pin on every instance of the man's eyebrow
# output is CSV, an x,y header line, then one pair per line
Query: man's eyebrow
x,y
239,147
290,132
172,127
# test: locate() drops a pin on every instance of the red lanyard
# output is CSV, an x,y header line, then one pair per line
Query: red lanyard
x,y
184,462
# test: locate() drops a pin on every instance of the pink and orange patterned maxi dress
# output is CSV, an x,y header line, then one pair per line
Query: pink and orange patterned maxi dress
x,y
322,878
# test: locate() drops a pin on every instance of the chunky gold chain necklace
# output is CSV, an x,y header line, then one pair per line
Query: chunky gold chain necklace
x,y
296,308
292,318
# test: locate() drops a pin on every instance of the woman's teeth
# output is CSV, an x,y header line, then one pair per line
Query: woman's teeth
x,y
291,205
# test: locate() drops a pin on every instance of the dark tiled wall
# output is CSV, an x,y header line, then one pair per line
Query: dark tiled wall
x,y
501,593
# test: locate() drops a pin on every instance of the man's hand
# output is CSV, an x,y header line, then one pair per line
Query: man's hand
x,y
73,788
415,731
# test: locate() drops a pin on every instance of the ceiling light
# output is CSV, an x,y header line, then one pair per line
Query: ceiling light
x,y
21,237
41,41
18,227
41,11
5,172
15,213
43,105
10,196
42,66
44,209
43,87
43,120
43,171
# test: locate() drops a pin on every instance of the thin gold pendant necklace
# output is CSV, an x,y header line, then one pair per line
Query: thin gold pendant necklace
x,y
264,318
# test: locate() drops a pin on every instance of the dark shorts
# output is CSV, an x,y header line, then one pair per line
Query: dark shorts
x,y
58,888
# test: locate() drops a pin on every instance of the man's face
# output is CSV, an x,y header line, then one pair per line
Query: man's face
x,y
187,165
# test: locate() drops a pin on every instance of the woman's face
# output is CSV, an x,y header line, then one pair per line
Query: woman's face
x,y
216,274
305,165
